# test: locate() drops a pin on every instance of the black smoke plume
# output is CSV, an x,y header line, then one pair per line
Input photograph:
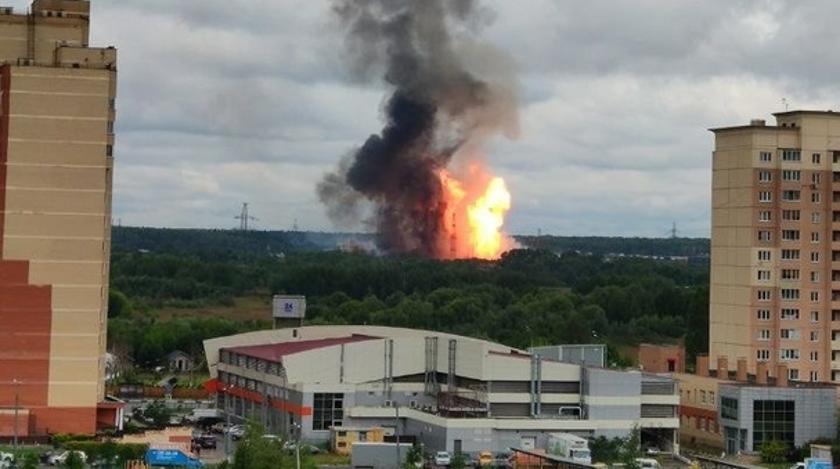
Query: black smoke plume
x,y
447,92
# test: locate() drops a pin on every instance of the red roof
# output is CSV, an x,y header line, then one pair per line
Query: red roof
x,y
275,352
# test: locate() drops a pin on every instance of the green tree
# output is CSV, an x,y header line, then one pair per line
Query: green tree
x,y
257,452
631,449
414,457
30,461
74,461
158,413
773,452
118,304
458,461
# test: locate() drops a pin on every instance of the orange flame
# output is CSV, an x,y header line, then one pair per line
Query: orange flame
x,y
475,214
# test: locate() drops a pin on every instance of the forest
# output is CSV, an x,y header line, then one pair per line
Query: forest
x,y
528,297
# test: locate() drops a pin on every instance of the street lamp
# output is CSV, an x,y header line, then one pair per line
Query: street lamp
x,y
224,390
297,428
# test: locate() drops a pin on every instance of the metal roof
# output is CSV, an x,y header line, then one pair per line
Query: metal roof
x,y
275,352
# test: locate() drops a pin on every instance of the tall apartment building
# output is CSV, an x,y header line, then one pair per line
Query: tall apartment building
x,y
56,144
775,268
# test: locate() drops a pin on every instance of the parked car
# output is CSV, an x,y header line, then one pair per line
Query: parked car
x,y
205,441
304,448
7,460
61,458
442,458
236,431
648,463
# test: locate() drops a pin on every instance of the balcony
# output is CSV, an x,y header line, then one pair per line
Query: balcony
x,y
835,344
835,365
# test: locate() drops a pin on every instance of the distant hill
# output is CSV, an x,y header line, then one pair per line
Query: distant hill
x,y
235,244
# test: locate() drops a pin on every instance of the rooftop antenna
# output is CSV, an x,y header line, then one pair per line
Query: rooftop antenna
x,y
244,218
785,102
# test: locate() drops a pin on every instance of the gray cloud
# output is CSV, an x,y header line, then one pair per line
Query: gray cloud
x,y
225,102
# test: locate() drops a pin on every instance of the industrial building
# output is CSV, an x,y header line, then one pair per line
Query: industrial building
x,y
775,247
737,412
56,151
446,391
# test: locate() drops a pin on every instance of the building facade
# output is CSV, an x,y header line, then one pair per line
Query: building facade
x,y
56,154
451,392
657,358
775,267
751,415
699,422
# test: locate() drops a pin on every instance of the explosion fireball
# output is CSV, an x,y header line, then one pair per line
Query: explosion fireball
x,y
422,182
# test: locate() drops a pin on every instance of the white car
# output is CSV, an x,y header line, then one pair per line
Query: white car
x,y
442,458
61,458
6,460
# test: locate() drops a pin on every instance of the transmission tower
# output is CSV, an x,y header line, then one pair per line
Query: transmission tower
x,y
244,218
673,231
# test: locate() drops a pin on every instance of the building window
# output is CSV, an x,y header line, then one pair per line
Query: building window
x,y
702,396
763,275
764,235
790,274
790,235
815,336
815,256
814,356
816,178
728,408
815,237
791,175
765,156
790,215
790,313
815,276
793,374
816,217
762,355
765,196
773,421
789,334
763,255
815,296
815,197
791,155
790,294
764,334
763,314
789,354
110,127
815,158
765,176
109,150
764,215
790,254
815,376
327,411
763,295
791,196
815,316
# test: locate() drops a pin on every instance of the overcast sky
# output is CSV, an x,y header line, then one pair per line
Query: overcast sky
x,y
223,102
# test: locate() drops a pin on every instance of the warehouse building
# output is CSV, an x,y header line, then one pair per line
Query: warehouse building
x,y
448,392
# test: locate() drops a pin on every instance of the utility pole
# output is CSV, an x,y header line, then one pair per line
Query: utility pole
x,y
227,423
16,383
397,431
298,427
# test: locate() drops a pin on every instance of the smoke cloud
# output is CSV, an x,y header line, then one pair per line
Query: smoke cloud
x,y
448,93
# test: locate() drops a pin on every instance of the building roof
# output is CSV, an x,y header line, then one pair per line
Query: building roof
x,y
751,126
809,112
275,352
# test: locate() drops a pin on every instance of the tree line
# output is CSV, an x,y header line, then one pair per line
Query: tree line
x,y
529,297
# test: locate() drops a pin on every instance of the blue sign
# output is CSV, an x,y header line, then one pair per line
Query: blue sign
x,y
171,458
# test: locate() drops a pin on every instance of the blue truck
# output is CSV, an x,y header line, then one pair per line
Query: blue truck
x,y
169,457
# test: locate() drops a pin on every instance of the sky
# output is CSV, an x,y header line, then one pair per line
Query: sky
x,y
225,102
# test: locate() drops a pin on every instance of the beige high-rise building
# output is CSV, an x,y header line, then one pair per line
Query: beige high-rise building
x,y
56,145
775,268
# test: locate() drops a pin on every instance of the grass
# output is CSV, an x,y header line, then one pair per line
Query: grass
x,y
26,449
331,459
244,308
